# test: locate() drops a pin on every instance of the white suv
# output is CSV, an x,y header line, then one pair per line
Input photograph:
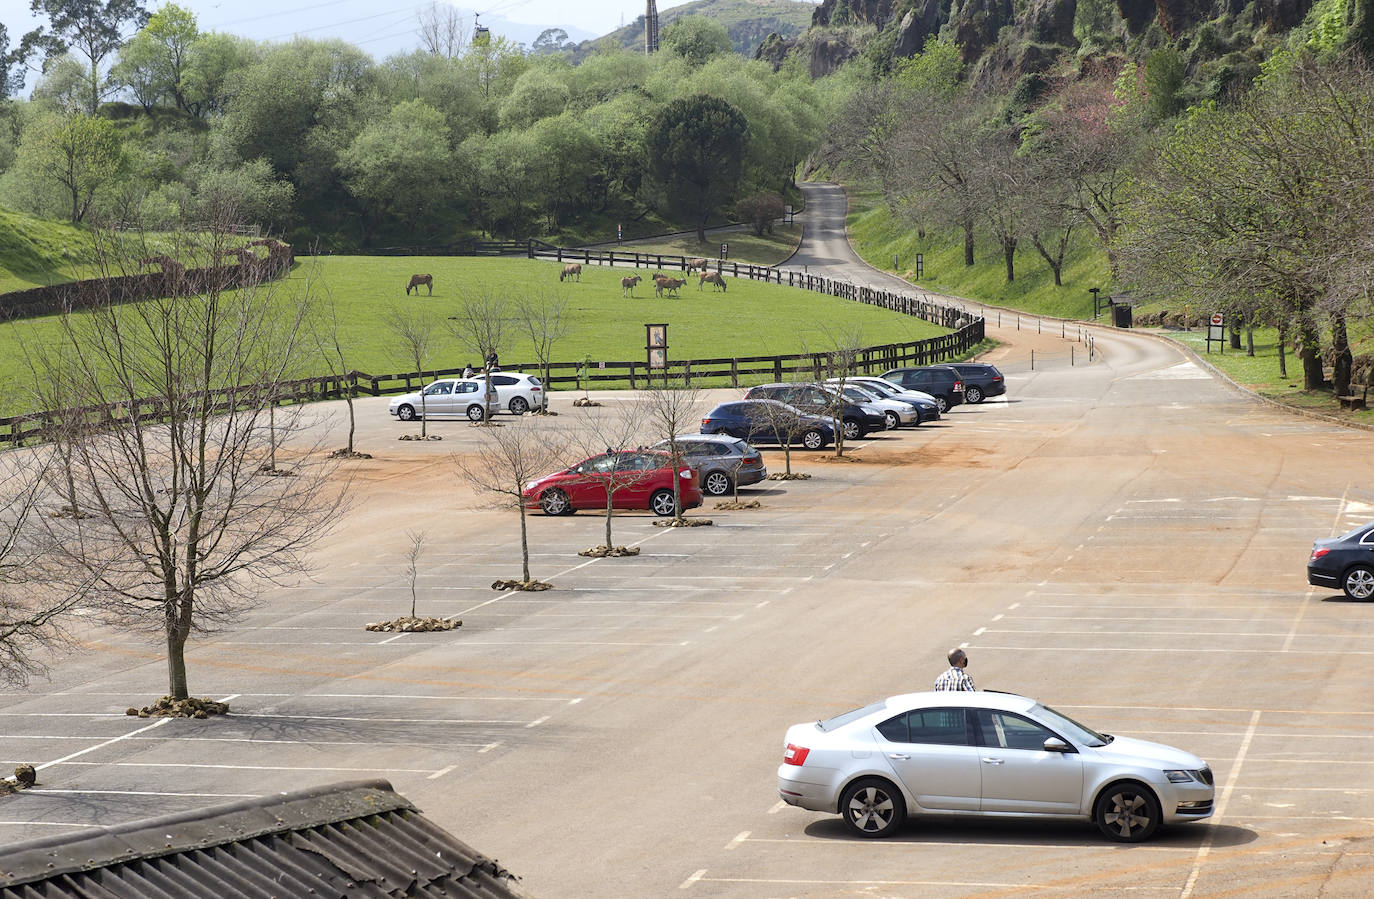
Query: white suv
x,y
463,397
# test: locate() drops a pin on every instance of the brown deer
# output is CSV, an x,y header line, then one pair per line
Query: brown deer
x,y
417,280
670,285
713,278
698,263
571,270
628,284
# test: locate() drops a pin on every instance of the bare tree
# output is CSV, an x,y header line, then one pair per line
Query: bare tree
x,y
787,425
413,327
480,325
602,434
33,603
544,318
413,553
508,459
442,30
184,530
331,344
669,410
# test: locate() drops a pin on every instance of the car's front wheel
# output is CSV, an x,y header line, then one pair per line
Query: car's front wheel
x,y
406,413
1358,583
1127,812
873,808
555,502
716,483
973,394
519,406
813,439
852,429
893,420
476,412
942,404
662,504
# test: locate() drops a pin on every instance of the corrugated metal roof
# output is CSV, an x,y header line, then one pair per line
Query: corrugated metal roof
x,y
356,839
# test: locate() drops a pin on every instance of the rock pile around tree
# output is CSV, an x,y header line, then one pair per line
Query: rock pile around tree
x,y
683,523
603,551
528,586
346,453
585,401
794,476
418,437
732,504
25,776
407,624
167,707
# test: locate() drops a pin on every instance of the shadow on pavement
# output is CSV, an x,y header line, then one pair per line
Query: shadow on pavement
x,y
1035,833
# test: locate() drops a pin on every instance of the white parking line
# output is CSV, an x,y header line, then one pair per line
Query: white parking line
x,y
739,838
145,793
1220,810
244,767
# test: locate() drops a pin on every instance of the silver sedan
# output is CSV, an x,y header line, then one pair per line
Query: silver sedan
x,y
986,754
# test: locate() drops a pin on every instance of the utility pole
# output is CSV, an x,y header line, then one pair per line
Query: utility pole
x,y
651,27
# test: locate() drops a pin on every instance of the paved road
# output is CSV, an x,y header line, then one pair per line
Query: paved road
x,y
1123,539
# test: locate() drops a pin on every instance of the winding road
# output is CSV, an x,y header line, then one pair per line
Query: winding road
x,y
1123,538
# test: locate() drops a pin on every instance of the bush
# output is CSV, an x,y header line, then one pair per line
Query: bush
x,y
761,210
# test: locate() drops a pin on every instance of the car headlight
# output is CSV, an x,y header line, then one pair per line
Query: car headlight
x,y
1179,776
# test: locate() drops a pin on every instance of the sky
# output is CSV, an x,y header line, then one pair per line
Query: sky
x,y
379,29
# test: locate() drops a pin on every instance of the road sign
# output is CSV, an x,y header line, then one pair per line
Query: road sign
x,y
1216,318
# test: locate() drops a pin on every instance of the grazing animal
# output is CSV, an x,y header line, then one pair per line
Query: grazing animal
x,y
713,278
571,270
628,284
170,267
417,280
668,284
697,263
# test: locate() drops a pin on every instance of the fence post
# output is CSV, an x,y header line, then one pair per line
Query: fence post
x,y
1032,360
734,372
632,376
777,368
687,374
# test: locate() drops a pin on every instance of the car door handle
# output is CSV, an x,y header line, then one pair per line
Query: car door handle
x,y
900,756
989,760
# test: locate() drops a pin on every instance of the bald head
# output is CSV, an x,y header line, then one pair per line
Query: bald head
x,y
957,658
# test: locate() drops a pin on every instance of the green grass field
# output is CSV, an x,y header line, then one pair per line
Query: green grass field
x,y
749,319
770,249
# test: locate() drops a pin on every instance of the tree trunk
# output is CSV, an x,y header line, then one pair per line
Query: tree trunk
x,y
1283,357
524,544
1009,253
352,421
968,244
1343,362
176,662
1313,378
610,506
424,419
1250,338
1235,336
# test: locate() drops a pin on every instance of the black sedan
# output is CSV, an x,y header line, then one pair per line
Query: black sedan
x,y
768,421
1345,563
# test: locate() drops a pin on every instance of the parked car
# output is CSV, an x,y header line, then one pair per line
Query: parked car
x,y
857,419
1345,563
897,411
981,380
930,409
463,397
720,461
769,421
639,479
940,381
986,754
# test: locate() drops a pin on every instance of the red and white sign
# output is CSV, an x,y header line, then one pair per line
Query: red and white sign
x,y
1216,318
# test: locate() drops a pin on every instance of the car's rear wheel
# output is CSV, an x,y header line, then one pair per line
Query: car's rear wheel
x,y
555,502
475,412
873,807
1358,583
519,406
942,404
661,503
893,421
406,413
1127,812
852,429
813,440
716,483
973,394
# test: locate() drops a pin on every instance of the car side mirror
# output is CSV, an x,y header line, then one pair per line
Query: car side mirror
x,y
1054,744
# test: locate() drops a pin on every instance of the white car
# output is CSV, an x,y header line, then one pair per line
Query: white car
x,y
892,391
897,412
989,754
464,397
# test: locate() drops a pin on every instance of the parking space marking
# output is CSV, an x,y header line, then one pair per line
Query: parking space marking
x,y
538,721
146,793
441,772
245,767
739,838
1219,810
700,877
368,720
696,875
1139,649
66,759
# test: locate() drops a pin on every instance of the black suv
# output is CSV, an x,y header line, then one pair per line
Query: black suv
x,y
815,399
981,380
940,381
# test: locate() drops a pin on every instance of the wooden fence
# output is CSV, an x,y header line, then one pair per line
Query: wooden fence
x,y
967,331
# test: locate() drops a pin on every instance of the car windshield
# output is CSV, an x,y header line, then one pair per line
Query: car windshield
x,y
1355,533
830,724
1069,727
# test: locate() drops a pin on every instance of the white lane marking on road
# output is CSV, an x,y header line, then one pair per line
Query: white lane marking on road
x,y
777,807
1296,652
146,793
110,742
740,838
575,701
1015,605
244,767
47,824
488,748
1019,886
697,875
441,772
1220,810
538,721
391,639
980,632
997,617
374,720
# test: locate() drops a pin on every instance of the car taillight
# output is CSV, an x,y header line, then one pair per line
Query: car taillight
x,y
705,422
1317,553
958,386
997,378
795,755
750,460
534,389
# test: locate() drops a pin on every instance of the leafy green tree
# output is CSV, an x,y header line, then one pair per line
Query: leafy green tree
x,y
761,211
250,189
550,40
1165,69
154,63
80,154
696,39
695,150
91,28
398,167
539,93
11,66
212,62
565,159
63,85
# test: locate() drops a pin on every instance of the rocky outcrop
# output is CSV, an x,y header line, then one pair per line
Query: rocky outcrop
x,y
856,12
1049,22
976,23
920,23
829,54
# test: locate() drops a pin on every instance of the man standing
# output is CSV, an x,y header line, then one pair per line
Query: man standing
x,y
955,678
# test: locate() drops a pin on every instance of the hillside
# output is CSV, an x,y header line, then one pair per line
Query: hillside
x,y
748,22
35,251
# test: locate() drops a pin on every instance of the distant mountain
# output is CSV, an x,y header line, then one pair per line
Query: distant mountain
x,y
748,22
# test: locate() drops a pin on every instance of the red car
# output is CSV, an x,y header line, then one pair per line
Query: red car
x,y
637,479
